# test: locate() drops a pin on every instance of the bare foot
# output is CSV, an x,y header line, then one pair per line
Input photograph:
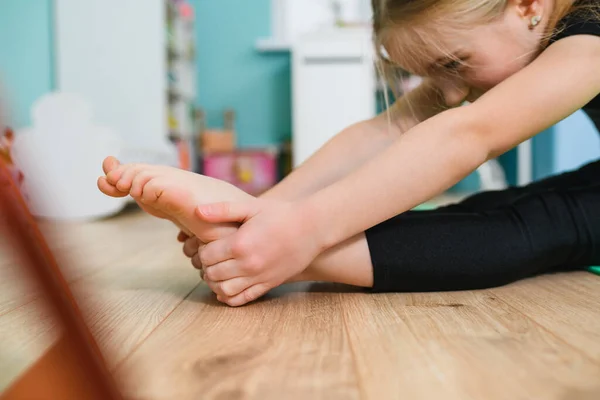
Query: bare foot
x,y
109,165
173,194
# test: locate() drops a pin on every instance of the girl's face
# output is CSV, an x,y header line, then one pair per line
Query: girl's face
x,y
488,55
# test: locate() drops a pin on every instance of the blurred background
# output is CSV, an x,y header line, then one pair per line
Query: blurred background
x,y
241,90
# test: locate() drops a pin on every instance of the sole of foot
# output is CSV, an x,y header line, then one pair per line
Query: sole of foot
x,y
172,194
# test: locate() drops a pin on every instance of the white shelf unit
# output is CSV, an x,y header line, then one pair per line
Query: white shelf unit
x,y
291,19
333,85
134,62
267,45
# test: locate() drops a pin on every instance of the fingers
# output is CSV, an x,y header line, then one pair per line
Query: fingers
x,y
216,252
230,288
108,189
249,295
227,212
223,271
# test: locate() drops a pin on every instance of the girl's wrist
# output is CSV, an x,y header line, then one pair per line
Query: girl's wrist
x,y
314,220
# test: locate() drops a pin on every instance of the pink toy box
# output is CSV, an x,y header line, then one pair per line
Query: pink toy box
x,y
253,171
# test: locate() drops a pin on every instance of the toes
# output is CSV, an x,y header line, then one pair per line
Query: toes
x,y
110,164
166,196
152,192
139,181
175,198
182,237
113,176
196,263
109,189
170,198
116,174
129,173
192,247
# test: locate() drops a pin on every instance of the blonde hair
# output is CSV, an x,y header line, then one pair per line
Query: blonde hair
x,y
411,15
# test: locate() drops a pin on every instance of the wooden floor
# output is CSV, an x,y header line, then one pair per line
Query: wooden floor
x,y
167,337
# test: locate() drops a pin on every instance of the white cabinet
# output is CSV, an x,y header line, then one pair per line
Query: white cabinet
x,y
334,86
133,61
293,18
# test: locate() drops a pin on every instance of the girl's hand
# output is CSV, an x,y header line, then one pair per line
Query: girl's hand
x,y
276,242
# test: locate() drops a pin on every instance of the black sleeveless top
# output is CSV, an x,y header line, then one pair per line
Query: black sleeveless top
x,y
580,23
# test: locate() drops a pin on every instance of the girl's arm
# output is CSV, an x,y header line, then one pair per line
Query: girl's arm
x,y
359,143
436,154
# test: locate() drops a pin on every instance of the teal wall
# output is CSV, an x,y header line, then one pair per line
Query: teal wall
x,y
25,55
231,73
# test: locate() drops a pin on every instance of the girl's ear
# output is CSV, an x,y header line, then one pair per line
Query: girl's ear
x,y
529,10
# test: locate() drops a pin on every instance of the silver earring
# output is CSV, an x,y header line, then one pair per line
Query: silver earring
x,y
535,20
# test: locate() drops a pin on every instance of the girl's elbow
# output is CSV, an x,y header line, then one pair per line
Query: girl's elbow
x,y
473,137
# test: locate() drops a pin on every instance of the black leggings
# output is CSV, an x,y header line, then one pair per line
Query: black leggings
x,y
492,238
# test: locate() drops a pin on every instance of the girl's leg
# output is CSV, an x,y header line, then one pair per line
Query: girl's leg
x,y
348,263
540,232
582,177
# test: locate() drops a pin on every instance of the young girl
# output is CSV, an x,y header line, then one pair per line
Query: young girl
x,y
523,66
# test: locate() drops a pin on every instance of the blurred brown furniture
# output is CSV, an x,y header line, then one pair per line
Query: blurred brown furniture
x,y
73,368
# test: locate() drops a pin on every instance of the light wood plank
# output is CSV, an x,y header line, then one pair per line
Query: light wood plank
x,y
464,345
534,339
566,304
291,345
25,335
123,302
80,249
